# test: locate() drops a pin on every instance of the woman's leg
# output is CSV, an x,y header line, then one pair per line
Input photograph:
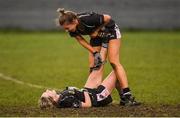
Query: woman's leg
x,y
110,82
95,77
113,55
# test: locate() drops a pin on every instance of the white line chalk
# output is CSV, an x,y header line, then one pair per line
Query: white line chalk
x,y
2,76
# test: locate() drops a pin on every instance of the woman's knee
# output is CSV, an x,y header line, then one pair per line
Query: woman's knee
x,y
114,64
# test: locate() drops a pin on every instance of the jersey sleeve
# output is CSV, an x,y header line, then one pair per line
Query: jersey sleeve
x,y
74,34
94,19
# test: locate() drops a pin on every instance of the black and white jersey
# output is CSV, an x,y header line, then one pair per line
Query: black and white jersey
x,y
89,22
70,98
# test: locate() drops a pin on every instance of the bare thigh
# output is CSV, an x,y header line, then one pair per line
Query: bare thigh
x,y
95,77
110,81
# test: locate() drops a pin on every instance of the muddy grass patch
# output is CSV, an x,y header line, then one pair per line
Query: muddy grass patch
x,y
111,110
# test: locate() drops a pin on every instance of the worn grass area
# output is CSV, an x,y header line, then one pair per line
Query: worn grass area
x,y
108,111
151,59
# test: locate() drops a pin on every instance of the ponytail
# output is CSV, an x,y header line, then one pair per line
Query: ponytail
x,y
61,10
66,16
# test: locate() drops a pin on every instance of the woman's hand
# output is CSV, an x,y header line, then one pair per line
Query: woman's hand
x,y
97,60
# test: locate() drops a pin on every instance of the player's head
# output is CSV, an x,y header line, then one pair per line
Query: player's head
x,y
67,19
48,99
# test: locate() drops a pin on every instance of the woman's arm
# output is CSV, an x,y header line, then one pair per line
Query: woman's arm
x,y
107,18
97,56
87,102
85,44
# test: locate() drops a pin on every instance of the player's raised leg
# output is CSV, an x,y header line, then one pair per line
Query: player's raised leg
x,y
95,77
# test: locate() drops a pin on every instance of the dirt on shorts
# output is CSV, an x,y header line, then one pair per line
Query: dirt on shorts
x,y
112,110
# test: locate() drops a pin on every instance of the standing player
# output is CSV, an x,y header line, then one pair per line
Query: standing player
x,y
103,33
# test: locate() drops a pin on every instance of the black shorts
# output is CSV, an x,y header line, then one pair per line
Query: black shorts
x,y
99,96
95,41
113,33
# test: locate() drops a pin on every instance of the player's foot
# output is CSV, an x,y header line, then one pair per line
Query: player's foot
x,y
128,100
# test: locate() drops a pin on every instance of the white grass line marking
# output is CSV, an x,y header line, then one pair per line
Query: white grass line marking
x,y
2,76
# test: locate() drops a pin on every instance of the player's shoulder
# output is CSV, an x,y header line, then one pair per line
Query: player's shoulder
x,y
85,14
88,17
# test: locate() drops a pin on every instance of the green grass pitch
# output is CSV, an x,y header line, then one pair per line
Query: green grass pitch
x,y
53,59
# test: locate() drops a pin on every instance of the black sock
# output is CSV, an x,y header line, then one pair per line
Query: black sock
x,y
126,91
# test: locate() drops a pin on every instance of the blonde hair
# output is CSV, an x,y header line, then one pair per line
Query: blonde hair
x,y
66,16
46,102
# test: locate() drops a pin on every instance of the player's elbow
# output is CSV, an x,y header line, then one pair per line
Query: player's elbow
x,y
107,18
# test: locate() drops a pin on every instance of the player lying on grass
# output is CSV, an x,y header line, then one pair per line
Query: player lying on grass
x,y
72,97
